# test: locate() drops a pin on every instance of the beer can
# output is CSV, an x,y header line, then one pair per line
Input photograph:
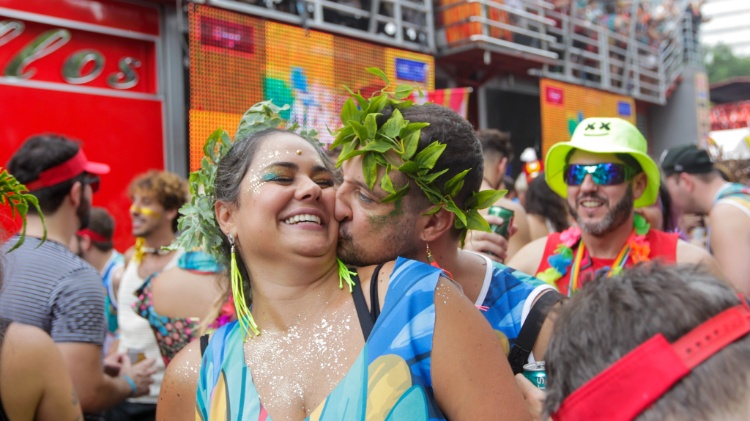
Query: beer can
x,y
507,215
136,355
536,374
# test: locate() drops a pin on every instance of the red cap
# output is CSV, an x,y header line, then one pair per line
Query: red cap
x,y
73,167
93,235
643,375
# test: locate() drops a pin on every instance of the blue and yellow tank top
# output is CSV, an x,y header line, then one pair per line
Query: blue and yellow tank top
x,y
390,379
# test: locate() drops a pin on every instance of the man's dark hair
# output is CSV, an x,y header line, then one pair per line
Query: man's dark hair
x,y
462,150
39,153
496,142
102,223
610,317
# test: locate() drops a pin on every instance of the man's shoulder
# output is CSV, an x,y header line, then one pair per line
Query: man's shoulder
x,y
47,258
729,211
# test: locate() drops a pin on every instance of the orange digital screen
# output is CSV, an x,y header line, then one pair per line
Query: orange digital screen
x,y
237,60
564,105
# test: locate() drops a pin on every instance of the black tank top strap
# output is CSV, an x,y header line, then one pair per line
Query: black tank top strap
x,y
374,296
363,313
204,343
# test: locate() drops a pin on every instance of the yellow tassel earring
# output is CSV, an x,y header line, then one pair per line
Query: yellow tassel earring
x,y
244,316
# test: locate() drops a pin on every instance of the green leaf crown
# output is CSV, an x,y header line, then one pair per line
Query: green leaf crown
x,y
393,146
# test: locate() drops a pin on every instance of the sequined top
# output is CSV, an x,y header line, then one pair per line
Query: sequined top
x,y
390,379
173,333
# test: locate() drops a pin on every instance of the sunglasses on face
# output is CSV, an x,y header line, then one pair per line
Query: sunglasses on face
x,y
93,181
603,174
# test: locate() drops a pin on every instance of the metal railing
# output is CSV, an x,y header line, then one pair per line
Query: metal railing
x,y
568,48
400,23
495,26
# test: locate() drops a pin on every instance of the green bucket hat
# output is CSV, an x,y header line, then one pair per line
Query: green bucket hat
x,y
604,135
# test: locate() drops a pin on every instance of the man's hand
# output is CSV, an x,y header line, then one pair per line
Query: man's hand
x,y
112,364
534,396
140,373
492,245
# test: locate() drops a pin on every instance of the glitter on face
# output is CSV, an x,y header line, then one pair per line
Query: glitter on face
x,y
267,167
294,370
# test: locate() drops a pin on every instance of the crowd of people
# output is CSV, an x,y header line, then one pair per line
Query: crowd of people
x,y
367,282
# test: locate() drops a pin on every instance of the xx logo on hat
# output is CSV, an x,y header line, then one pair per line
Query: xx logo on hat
x,y
592,129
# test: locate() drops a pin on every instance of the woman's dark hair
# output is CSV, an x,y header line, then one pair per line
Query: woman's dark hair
x,y
542,201
231,171
666,209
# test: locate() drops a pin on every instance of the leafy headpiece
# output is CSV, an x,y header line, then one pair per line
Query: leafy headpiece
x,y
393,146
14,195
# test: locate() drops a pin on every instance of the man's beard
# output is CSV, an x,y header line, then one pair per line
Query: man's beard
x,y
358,254
83,212
616,216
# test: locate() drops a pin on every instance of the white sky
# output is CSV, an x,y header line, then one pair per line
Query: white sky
x,y
730,24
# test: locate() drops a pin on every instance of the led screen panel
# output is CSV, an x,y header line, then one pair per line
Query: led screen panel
x,y
564,106
237,60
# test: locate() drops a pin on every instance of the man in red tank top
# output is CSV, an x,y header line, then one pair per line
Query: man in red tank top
x,y
604,172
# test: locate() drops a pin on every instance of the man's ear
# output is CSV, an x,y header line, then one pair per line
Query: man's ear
x,y
75,194
225,216
84,243
502,167
639,185
172,214
436,225
687,181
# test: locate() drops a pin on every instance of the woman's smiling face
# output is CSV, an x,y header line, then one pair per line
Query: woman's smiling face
x,y
286,200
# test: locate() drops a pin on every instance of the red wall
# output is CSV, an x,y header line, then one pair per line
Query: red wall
x,y
121,127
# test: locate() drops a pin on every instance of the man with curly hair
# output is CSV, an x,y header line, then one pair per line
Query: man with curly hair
x,y
156,198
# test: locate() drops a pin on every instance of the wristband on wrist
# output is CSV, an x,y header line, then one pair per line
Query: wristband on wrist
x,y
130,382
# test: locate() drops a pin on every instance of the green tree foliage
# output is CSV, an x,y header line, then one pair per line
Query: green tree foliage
x,y
722,64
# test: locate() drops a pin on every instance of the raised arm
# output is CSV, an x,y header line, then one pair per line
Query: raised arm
x,y
178,389
471,376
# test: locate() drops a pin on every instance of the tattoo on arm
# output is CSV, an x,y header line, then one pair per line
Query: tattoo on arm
x,y
74,401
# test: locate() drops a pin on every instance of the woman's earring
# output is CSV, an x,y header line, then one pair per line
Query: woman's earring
x,y
244,316
431,260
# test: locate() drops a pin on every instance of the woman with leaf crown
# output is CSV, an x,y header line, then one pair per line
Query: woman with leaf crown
x,y
308,343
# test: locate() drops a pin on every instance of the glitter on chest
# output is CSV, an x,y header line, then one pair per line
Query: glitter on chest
x,y
305,359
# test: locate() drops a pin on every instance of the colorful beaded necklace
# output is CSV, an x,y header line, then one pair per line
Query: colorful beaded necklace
x,y
636,249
